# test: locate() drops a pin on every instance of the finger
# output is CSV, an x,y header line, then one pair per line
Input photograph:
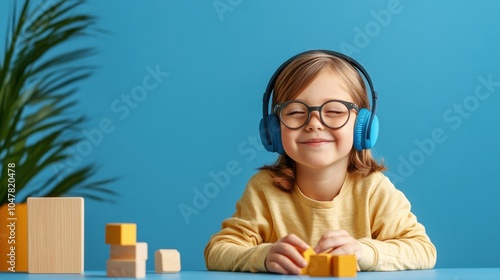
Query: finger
x,y
333,234
285,265
276,268
295,241
346,249
331,241
326,245
291,253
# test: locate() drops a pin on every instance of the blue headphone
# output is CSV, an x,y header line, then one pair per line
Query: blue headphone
x,y
366,126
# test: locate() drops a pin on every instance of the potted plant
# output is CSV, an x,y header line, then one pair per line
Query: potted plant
x,y
37,126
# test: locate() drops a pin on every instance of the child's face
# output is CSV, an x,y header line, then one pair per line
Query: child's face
x,y
315,145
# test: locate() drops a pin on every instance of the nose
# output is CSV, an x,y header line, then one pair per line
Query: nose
x,y
314,122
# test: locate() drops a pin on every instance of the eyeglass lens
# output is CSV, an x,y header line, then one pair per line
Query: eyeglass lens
x,y
333,114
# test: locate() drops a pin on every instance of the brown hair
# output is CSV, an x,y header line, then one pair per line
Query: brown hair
x,y
291,82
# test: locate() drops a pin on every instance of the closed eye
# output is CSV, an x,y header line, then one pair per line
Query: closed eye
x,y
295,113
335,112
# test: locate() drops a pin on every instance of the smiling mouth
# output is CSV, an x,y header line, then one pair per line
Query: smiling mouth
x,y
316,141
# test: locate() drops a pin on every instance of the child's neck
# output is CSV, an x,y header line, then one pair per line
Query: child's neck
x,y
321,184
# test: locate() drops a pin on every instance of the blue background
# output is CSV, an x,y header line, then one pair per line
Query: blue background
x,y
191,141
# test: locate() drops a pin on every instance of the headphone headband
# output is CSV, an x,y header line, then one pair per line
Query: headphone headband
x,y
270,87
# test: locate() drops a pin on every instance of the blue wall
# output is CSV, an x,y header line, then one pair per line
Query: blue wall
x,y
176,103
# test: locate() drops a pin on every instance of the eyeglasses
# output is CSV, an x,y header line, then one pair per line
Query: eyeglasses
x,y
333,114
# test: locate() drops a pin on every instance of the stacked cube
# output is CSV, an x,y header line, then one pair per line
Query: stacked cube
x,y
325,265
127,256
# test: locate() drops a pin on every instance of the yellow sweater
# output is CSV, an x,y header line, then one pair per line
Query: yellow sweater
x,y
370,209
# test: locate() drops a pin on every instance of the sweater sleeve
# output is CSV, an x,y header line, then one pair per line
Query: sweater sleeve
x,y
240,246
398,240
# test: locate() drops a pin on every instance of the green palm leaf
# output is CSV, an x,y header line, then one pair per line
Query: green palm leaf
x,y
36,89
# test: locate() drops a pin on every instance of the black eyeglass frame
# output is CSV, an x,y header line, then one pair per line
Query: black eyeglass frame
x,y
278,109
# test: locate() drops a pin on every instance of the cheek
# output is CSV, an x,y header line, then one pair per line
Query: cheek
x,y
346,134
346,137
286,136
288,139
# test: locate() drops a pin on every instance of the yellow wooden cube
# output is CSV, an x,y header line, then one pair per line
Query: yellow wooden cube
x,y
344,266
320,265
307,256
121,234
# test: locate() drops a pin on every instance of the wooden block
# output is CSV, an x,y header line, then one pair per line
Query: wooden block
x,y
344,266
139,251
307,256
126,268
121,234
320,265
55,235
167,261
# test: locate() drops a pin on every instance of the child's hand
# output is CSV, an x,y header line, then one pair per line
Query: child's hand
x,y
285,257
339,242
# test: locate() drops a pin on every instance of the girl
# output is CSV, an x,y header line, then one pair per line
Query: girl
x,y
321,192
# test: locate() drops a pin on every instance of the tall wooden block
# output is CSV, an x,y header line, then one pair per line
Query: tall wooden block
x,y
167,261
121,234
139,251
320,265
307,256
344,266
126,268
55,235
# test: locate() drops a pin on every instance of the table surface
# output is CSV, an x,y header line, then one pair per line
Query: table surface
x,y
442,274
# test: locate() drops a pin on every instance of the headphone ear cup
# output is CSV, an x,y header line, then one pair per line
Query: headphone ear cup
x,y
275,128
361,127
273,124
